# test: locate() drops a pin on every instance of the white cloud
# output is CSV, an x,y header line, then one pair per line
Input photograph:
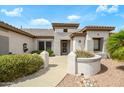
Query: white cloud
x,y
12,13
101,8
103,14
121,15
40,21
113,9
119,28
89,17
105,8
73,17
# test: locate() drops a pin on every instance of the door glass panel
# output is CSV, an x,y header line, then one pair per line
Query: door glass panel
x,y
64,47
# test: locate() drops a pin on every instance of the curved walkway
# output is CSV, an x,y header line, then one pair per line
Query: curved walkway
x,y
46,78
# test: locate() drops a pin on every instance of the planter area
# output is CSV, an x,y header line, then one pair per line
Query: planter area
x,y
86,66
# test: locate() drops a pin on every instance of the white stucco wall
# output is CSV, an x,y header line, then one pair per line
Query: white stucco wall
x,y
70,30
95,34
16,42
60,35
77,45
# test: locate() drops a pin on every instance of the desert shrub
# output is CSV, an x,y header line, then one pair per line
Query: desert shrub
x,y
118,54
51,53
36,51
15,66
83,54
115,45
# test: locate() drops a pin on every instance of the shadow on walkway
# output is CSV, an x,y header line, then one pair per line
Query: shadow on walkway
x,y
103,69
53,65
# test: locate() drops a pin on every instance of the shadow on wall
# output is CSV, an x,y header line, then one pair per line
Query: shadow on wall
x,y
103,69
32,76
120,68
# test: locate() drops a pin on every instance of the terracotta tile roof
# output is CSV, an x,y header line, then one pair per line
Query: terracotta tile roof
x,y
6,26
54,25
98,28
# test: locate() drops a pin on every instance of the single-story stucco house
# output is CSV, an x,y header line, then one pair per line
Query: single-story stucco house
x,y
63,38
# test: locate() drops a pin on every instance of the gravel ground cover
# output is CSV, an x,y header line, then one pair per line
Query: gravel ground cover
x,y
111,75
70,81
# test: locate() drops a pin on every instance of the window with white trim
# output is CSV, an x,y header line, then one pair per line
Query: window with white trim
x,y
45,45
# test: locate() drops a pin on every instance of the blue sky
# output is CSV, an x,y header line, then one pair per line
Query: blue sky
x,y
34,16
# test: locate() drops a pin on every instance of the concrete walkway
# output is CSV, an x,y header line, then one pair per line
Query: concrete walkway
x,y
46,78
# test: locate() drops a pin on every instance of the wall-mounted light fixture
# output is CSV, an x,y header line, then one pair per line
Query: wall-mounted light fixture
x,y
97,34
79,41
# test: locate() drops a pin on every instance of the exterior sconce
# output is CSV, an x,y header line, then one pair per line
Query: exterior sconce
x,y
79,41
97,34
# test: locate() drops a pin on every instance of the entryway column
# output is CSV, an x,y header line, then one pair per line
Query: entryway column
x,y
89,44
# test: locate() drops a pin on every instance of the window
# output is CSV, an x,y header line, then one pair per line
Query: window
x,y
96,44
41,45
45,45
48,45
65,30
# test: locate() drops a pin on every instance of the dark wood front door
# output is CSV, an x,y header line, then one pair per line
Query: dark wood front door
x,y
64,47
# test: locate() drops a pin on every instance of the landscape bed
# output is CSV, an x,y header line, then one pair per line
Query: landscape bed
x,y
83,62
15,66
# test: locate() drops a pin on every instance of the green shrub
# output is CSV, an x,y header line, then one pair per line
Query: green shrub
x,y
51,53
36,51
15,66
83,54
115,45
118,54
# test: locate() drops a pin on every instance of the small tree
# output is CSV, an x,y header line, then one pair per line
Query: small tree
x,y
115,45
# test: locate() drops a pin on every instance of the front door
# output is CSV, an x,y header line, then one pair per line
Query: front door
x,y
64,47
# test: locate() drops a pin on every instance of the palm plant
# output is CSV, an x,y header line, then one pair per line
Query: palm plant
x,y
115,45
